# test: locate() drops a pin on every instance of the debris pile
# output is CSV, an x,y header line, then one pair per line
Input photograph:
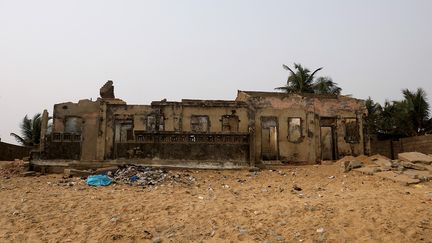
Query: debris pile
x,y
147,176
409,168
140,175
12,168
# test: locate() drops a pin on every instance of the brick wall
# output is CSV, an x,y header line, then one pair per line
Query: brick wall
x,y
10,151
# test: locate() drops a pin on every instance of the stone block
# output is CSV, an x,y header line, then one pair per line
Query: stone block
x,y
368,170
399,178
418,174
348,165
409,165
415,157
382,162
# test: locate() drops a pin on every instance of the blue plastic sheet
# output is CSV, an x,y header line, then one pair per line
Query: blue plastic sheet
x,y
98,180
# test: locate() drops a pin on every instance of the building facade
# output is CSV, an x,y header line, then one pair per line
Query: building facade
x,y
254,128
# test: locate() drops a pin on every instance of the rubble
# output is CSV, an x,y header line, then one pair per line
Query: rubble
x,y
368,170
143,176
400,178
410,165
147,176
107,91
411,168
419,174
12,168
348,165
415,157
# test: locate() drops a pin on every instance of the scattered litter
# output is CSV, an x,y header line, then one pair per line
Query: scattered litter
x,y
296,188
148,176
98,180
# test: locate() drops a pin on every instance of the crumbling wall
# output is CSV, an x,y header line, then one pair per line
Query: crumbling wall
x,y
284,108
187,146
10,151
75,125
345,110
173,138
309,108
116,114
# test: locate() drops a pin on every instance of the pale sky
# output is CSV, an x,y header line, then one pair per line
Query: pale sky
x,y
58,51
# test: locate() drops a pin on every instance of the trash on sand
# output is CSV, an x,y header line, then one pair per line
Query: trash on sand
x,y
98,180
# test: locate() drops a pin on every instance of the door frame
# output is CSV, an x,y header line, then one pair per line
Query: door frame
x,y
332,123
264,119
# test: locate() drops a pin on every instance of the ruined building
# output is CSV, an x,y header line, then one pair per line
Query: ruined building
x,y
255,128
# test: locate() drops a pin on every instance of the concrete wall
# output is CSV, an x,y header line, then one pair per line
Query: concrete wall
x,y
422,144
310,109
172,137
10,151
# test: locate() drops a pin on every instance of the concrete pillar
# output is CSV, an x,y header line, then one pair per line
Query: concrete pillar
x,y
44,127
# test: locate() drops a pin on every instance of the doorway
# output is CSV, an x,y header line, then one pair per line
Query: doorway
x,y
328,141
327,146
269,138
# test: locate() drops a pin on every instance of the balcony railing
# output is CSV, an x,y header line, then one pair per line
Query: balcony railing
x,y
190,137
65,137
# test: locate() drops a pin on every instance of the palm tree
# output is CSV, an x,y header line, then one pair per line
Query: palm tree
x,y
418,109
325,85
30,131
373,117
300,81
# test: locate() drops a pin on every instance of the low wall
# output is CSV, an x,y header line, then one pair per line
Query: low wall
x,y
389,148
62,146
10,151
186,146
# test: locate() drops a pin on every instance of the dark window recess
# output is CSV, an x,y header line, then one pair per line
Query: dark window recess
x,y
73,125
294,129
129,135
155,123
352,134
124,131
230,123
200,123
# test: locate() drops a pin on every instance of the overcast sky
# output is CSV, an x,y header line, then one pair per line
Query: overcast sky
x,y
58,51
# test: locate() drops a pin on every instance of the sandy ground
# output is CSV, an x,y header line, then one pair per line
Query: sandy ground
x,y
222,206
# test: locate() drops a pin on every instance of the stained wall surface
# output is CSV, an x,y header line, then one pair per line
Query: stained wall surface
x,y
256,126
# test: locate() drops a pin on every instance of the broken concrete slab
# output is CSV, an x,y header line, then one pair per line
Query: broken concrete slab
x,y
400,178
107,91
419,174
410,165
78,173
428,167
368,170
348,165
28,173
415,157
382,162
